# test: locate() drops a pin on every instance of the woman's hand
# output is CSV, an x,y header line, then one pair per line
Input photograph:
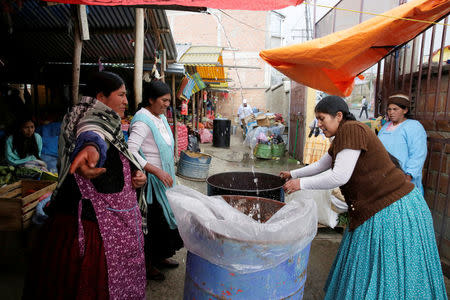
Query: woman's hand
x,y
285,175
138,179
85,162
292,185
164,177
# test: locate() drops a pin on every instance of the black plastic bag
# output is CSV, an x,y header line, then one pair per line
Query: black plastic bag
x,y
193,143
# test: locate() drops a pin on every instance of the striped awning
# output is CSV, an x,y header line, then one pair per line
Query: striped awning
x,y
208,62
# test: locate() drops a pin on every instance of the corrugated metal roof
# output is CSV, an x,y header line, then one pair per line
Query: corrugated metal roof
x,y
44,34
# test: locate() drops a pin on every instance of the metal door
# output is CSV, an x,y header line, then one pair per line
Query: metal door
x,y
297,120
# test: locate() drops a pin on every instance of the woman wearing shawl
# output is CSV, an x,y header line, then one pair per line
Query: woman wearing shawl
x,y
92,244
152,143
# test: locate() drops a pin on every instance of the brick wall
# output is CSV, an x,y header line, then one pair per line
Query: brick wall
x,y
437,165
437,125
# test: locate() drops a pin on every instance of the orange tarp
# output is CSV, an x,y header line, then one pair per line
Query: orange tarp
x,y
223,4
331,63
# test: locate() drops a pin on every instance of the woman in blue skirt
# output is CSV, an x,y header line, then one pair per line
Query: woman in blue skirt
x,y
388,250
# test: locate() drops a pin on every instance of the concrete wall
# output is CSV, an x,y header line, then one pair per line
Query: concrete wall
x,y
336,20
311,97
277,99
218,29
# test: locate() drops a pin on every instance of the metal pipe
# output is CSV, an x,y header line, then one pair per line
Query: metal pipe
x,y
411,69
430,57
419,79
377,91
436,192
438,85
404,66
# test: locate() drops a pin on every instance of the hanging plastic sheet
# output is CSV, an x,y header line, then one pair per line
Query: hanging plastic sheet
x,y
331,63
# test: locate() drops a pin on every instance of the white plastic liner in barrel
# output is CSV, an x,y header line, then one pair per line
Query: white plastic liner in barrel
x,y
224,236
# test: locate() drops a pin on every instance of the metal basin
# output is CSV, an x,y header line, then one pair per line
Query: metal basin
x,y
246,184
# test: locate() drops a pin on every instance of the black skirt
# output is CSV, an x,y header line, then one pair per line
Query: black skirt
x,y
161,242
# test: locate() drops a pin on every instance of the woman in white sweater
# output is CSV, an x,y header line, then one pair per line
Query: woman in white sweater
x,y
151,141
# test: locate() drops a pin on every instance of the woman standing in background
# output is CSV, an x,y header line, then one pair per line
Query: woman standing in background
x,y
405,139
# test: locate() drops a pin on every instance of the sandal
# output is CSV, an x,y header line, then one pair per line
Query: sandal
x,y
155,274
168,263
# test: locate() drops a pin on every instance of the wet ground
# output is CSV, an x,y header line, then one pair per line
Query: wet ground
x,y
236,158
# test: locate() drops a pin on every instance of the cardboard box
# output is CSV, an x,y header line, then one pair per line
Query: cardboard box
x,y
262,121
18,202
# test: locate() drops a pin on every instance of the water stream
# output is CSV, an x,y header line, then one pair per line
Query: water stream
x,y
255,180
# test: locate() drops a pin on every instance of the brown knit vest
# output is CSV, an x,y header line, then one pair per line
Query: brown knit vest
x,y
376,182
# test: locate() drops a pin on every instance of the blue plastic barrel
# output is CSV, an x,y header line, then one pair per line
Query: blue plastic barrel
x,y
193,165
204,280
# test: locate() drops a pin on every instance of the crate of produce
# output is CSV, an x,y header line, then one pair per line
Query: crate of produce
x,y
18,202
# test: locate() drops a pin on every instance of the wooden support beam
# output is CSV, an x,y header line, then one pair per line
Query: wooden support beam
x,y
77,49
83,22
163,66
174,110
193,97
200,115
138,55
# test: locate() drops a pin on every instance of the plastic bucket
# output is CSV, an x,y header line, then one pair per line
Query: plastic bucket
x,y
205,280
193,165
233,129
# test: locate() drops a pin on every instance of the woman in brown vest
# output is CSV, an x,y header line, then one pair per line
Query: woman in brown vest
x,y
389,249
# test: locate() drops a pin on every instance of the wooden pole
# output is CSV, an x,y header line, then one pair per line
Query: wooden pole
x,y
174,106
200,115
138,55
163,66
76,63
193,97
83,22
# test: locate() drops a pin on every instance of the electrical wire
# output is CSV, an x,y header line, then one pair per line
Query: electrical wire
x,y
375,14
234,54
336,8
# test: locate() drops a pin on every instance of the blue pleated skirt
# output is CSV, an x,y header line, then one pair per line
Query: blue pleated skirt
x,y
393,255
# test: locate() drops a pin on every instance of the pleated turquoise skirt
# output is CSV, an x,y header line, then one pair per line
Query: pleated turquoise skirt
x,y
393,255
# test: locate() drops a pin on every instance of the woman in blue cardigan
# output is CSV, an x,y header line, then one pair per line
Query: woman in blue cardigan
x,y
24,146
405,139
